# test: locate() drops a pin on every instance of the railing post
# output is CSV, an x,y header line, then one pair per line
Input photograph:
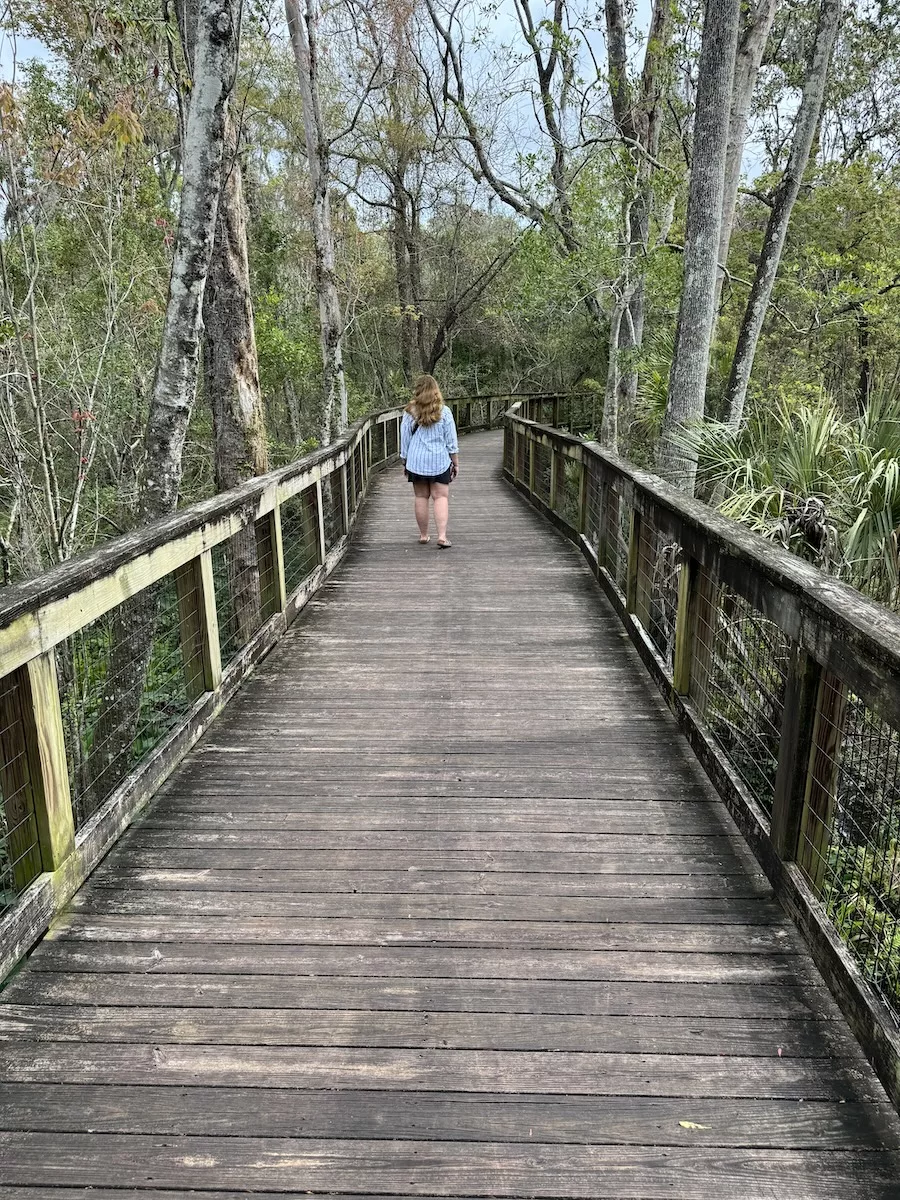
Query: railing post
x,y
46,750
584,479
199,625
696,609
320,519
345,496
634,561
820,792
795,751
270,556
609,511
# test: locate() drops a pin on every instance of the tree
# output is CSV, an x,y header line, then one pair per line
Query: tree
x,y
754,34
175,385
676,461
782,203
303,30
638,115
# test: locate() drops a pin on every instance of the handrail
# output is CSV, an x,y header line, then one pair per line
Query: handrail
x,y
785,681
113,664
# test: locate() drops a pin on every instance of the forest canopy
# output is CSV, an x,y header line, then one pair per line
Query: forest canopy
x,y
230,228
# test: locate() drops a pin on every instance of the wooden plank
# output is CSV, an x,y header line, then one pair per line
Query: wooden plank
x,y
759,1037
486,861
414,993
691,938
300,1166
48,769
438,1070
153,901
457,1117
401,881
496,963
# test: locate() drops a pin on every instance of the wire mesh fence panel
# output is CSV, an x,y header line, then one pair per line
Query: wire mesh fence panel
x,y
509,450
333,504
236,574
659,570
850,833
358,481
299,538
593,512
568,490
542,459
124,687
392,436
616,519
739,667
580,414
378,443
20,852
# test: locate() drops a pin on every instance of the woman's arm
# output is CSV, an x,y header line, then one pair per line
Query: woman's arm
x,y
451,441
405,426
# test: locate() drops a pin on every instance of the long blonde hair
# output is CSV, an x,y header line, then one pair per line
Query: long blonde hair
x,y
427,401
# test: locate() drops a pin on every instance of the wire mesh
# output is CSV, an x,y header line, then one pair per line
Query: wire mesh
x,y
333,503
378,442
616,519
542,467
300,538
568,489
659,570
392,435
20,852
509,449
126,680
236,574
739,668
850,834
593,514
358,480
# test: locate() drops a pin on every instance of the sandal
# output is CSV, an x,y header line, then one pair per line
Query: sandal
x,y
444,545
424,540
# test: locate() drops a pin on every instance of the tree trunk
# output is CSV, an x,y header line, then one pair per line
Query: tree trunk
x,y
331,323
133,625
175,385
782,205
639,123
749,57
687,379
231,374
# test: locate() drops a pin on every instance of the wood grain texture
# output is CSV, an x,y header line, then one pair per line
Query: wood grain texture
x,y
441,906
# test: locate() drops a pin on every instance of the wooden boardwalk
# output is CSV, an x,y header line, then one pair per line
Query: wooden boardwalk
x,y
441,906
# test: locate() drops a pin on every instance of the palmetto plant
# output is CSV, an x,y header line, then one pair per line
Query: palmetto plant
x,y
824,485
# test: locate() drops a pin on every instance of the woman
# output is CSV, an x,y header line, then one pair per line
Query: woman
x,y
430,452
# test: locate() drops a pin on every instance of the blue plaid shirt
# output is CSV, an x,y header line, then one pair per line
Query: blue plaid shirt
x,y
428,450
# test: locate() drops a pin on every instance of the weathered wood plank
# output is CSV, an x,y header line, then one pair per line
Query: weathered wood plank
x,y
441,1070
424,931
298,1166
763,1037
415,993
214,958
457,1117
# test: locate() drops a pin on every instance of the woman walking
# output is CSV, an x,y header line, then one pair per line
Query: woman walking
x,y
430,452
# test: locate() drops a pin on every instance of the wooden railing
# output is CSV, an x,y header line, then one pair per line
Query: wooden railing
x,y
786,682
112,665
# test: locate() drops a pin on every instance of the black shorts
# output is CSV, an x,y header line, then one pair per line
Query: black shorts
x,y
443,478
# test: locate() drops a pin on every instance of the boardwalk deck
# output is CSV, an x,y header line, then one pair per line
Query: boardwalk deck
x,y
441,906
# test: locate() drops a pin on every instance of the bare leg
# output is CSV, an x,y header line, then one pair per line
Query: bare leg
x,y
440,494
422,492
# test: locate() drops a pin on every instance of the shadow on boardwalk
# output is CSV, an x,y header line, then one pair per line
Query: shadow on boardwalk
x,y
441,906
